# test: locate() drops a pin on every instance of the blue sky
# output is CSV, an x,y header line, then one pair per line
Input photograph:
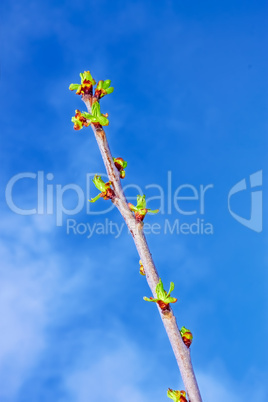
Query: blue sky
x,y
190,99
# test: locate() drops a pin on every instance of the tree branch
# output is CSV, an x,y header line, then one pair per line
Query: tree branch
x,y
181,352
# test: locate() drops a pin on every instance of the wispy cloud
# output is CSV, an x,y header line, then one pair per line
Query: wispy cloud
x,y
223,388
114,375
26,289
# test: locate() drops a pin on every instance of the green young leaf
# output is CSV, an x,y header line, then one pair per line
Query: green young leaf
x,y
141,203
170,300
95,198
161,294
150,299
96,109
87,116
97,117
106,84
103,120
99,183
153,211
132,207
109,90
171,288
73,87
100,85
87,76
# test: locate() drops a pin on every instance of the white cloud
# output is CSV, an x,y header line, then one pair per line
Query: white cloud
x,y
114,377
215,390
124,372
22,311
26,288
220,387
33,292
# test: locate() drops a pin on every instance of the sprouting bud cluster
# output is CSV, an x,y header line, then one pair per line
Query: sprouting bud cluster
x,y
140,209
142,272
80,120
86,86
106,192
187,336
96,116
87,83
103,88
85,89
177,396
120,165
84,119
163,298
